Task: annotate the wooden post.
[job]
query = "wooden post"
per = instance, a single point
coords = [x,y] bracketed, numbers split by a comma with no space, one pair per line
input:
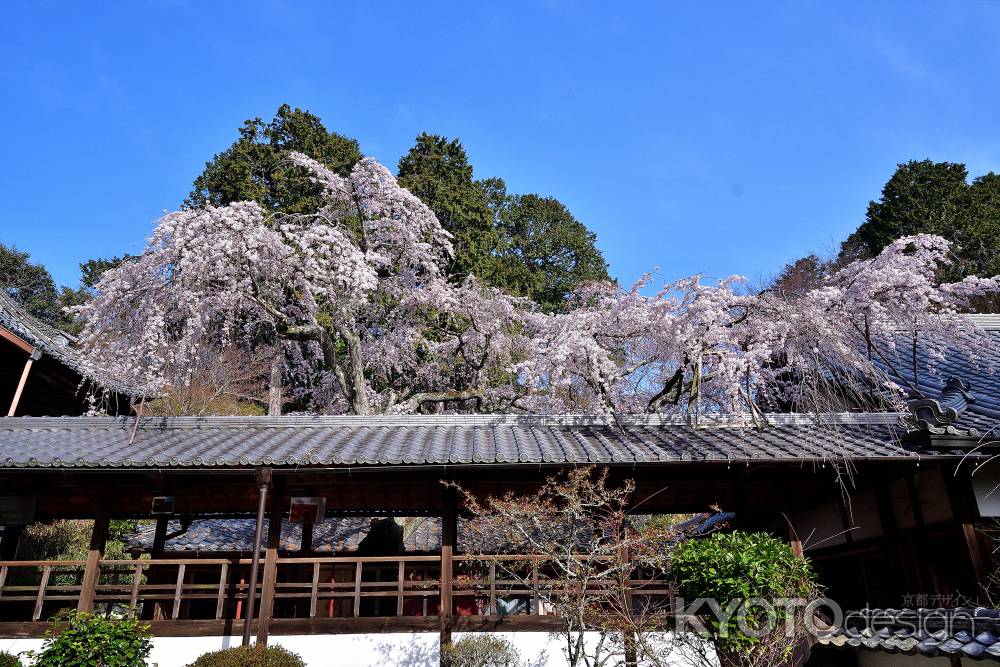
[156,575]
[35,355]
[40,599]
[220,601]
[270,564]
[449,531]
[159,538]
[625,558]
[400,579]
[314,591]
[890,549]
[92,571]
[307,538]
[133,599]
[264,483]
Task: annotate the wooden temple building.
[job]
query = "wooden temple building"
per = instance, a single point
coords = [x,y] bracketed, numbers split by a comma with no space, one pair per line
[890,507]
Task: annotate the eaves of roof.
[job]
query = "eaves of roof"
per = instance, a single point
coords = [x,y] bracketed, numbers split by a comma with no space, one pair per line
[217,443]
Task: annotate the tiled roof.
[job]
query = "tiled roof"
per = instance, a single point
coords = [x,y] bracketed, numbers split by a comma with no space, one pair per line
[983,374]
[56,344]
[960,633]
[103,442]
[335,535]
[344,534]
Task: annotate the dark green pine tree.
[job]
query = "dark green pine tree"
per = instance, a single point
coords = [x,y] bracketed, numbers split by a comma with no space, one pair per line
[545,252]
[527,245]
[925,197]
[437,170]
[256,167]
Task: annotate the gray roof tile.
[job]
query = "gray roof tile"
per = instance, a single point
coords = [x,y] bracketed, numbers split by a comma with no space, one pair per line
[970,632]
[68,442]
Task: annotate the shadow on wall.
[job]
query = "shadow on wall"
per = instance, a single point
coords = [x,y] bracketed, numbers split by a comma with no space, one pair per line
[420,652]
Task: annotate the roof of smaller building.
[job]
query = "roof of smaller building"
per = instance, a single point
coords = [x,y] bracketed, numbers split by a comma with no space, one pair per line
[344,534]
[961,632]
[335,535]
[234,442]
[56,344]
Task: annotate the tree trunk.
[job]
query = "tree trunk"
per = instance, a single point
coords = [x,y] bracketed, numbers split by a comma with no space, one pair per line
[356,371]
[274,390]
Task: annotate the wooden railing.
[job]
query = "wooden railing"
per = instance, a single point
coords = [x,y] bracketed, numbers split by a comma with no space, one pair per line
[305,588]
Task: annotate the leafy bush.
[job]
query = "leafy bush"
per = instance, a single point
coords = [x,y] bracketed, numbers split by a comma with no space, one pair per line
[250,656]
[79,638]
[480,651]
[741,566]
[8,660]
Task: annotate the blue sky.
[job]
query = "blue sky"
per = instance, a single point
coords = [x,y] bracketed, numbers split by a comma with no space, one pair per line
[718,138]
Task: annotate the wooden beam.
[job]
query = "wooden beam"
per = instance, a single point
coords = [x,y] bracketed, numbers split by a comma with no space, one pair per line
[449,532]
[16,340]
[92,570]
[271,562]
[319,626]
[35,355]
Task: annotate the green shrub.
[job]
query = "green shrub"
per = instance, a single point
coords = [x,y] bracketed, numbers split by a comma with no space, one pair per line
[740,566]
[8,660]
[480,651]
[79,638]
[250,656]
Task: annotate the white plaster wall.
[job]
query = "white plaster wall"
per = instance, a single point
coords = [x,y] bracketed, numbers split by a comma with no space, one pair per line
[370,650]
[16,646]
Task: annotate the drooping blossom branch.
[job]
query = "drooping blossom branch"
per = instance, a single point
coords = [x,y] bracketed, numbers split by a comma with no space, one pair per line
[353,301]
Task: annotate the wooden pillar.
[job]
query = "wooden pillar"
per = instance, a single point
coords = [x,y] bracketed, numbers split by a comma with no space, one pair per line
[35,355]
[155,574]
[449,533]
[92,571]
[270,563]
[625,581]
[159,537]
[307,538]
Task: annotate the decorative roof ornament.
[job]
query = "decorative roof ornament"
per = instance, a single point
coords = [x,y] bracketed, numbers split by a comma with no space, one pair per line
[939,416]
